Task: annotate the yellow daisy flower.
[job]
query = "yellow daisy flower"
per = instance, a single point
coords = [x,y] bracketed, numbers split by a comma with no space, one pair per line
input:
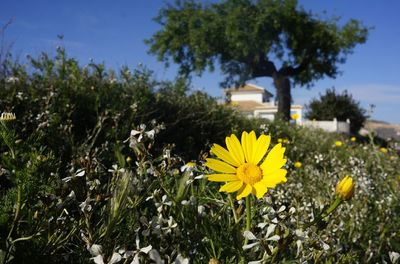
[242,167]
[353,139]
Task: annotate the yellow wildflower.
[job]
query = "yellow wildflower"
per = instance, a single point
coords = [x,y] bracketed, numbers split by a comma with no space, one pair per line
[353,139]
[295,116]
[338,143]
[383,150]
[298,164]
[345,188]
[243,167]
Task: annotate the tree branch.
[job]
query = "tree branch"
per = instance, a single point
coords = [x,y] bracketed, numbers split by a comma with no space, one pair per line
[293,71]
[263,68]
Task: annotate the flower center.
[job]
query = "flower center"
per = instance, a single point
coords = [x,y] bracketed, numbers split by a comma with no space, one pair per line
[249,173]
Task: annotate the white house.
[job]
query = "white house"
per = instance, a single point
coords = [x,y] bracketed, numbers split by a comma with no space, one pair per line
[255,101]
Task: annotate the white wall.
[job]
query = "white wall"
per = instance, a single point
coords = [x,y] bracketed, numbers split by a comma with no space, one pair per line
[258,97]
[330,126]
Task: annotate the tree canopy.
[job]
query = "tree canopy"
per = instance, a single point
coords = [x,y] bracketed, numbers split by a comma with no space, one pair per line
[254,38]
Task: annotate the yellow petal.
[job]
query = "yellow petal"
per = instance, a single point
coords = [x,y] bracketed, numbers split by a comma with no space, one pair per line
[271,180]
[222,177]
[244,192]
[273,166]
[260,148]
[231,186]
[245,145]
[220,166]
[223,154]
[274,159]
[248,144]
[235,149]
[260,189]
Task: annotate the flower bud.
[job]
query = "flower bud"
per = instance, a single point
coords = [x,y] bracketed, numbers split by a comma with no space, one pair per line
[7,116]
[36,215]
[345,188]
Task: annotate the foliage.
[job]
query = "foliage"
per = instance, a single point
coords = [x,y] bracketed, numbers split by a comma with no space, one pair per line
[341,106]
[88,175]
[250,39]
[72,107]
[5,48]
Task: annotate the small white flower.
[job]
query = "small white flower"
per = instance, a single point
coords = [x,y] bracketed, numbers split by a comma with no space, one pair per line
[181,260]
[394,256]
[167,154]
[12,80]
[325,246]
[155,256]
[201,210]
[270,229]
[249,235]
[150,134]
[115,258]
[95,250]
[85,206]
[78,173]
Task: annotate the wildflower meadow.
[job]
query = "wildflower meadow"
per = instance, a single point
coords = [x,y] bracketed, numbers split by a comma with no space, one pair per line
[98,166]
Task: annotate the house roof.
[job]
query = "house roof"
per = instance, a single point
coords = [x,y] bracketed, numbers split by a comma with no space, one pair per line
[250,106]
[246,106]
[248,88]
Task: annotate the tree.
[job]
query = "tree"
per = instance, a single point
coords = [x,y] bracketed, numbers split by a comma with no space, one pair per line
[341,106]
[248,39]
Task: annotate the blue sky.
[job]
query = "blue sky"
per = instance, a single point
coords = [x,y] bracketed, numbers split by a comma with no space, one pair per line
[113,32]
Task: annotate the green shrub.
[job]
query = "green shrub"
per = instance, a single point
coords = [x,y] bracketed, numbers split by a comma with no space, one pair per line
[341,106]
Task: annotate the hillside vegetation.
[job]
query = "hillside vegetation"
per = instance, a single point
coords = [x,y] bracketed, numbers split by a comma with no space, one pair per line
[107,167]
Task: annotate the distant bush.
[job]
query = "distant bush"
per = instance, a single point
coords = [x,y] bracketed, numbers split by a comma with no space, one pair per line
[334,105]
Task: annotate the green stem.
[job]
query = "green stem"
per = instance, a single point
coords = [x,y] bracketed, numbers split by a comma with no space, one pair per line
[248,215]
[14,223]
[325,213]
[235,217]
[333,207]
[17,210]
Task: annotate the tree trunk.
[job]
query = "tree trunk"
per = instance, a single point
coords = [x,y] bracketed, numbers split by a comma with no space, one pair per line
[282,85]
